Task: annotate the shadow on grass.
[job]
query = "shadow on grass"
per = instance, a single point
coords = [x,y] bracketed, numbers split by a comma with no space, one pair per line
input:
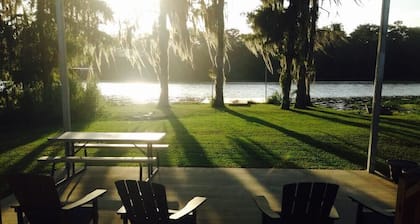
[409,124]
[29,158]
[192,149]
[16,136]
[405,129]
[360,116]
[408,136]
[345,153]
[256,155]
[411,127]
[334,117]
[389,127]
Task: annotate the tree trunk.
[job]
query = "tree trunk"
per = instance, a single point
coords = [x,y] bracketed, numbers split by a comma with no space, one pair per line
[301,87]
[308,91]
[220,76]
[163,57]
[286,79]
[302,55]
[311,63]
[286,83]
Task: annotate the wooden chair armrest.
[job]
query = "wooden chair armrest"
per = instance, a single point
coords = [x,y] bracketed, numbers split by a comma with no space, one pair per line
[334,214]
[375,209]
[172,211]
[191,206]
[121,210]
[263,205]
[16,207]
[86,199]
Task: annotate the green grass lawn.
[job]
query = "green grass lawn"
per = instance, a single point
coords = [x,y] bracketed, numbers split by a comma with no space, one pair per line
[258,136]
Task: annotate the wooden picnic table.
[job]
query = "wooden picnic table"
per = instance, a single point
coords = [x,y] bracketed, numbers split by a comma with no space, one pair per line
[82,140]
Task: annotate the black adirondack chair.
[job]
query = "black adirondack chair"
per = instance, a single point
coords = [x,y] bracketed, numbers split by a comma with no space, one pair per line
[407,206]
[146,203]
[308,203]
[39,202]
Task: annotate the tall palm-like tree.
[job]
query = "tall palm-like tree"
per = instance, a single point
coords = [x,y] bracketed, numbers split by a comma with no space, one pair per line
[288,34]
[275,37]
[302,55]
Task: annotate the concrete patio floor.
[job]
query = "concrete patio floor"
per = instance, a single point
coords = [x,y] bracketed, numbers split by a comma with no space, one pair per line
[229,191]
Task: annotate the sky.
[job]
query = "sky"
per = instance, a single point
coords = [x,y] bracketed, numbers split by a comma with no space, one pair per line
[369,11]
[348,13]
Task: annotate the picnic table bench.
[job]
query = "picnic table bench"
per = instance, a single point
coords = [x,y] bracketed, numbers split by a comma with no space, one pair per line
[97,160]
[142,147]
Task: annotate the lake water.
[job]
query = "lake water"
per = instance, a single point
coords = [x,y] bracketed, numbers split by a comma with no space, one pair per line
[255,91]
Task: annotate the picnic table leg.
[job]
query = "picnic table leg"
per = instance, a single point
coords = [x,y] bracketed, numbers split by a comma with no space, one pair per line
[157,158]
[85,152]
[52,169]
[69,151]
[141,172]
[150,165]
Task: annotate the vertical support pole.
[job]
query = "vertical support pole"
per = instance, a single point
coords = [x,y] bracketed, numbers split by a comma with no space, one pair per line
[379,74]
[62,60]
[65,90]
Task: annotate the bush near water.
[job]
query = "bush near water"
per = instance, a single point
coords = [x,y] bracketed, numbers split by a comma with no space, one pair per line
[40,104]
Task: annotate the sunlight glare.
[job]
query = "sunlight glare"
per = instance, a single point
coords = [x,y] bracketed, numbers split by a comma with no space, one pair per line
[142,14]
[135,92]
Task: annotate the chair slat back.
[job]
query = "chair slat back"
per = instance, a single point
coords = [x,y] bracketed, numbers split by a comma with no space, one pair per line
[37,197]
[144,202]
[308,202]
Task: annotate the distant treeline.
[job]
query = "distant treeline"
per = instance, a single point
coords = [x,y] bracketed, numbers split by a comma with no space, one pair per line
[344,58]
[354,57]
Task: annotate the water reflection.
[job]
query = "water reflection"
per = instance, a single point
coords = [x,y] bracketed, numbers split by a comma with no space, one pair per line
[138,92]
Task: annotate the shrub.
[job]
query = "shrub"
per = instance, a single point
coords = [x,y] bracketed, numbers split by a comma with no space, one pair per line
[37,103]
[391,104]
[10,93]
[85,98]
[275,98]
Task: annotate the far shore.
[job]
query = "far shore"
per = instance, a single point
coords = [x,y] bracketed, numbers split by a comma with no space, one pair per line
[339,103]
[360,103]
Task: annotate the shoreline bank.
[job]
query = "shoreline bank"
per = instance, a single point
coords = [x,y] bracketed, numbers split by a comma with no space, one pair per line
[361,103]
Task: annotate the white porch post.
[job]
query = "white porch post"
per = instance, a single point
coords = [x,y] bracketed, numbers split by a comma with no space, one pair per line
[379,74]
[62,60]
